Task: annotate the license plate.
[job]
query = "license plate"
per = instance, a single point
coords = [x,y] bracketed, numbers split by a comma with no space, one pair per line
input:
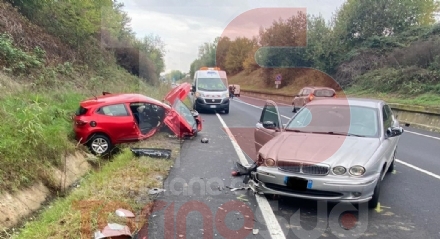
[298,184]
[213,106]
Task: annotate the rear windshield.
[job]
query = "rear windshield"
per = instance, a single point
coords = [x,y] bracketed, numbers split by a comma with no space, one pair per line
[81,111]
[324,93]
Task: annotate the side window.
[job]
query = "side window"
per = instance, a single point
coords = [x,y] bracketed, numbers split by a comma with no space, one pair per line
[270,114]
[300,92]
[114,110]
[386,118]
[306,92]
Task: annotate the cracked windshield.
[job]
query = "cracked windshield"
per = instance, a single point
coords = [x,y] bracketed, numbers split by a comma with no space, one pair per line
[219,119]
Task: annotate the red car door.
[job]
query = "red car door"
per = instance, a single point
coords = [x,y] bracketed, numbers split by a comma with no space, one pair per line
[118,122]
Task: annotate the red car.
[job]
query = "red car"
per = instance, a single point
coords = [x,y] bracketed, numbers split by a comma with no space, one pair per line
[110,119]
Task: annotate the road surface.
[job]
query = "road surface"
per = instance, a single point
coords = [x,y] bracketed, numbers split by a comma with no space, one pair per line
[199,180]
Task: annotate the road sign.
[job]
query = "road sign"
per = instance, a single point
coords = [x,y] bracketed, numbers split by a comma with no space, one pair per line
[277,82]
[278,77]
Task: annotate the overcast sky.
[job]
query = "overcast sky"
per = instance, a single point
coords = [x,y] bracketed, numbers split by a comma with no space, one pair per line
[185,25]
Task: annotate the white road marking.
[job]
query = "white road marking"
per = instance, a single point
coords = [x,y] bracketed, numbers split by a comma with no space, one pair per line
[429,136]
[271,221]
[418,169]
[261,108]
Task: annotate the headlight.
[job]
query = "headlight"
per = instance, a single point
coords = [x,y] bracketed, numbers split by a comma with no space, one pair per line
[225,95]
[339,170]
[197,94]
[357,170]
[269,162]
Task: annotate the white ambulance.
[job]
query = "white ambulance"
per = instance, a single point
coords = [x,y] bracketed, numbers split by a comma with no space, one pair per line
[210,90]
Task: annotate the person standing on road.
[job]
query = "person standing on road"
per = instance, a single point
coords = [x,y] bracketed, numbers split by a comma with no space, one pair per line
[231,91]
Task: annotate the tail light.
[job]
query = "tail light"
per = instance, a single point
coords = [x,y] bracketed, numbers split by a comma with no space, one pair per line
[311,96]
[80,122]
[334,96]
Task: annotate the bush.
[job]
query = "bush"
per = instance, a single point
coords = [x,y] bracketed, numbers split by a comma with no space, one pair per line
[409,80]
[17,60]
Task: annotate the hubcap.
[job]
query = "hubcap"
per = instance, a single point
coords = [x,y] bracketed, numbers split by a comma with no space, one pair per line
[99,145]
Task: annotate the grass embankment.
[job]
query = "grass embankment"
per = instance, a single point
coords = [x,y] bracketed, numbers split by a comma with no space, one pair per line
[123,183]
[253,81]
[36,126]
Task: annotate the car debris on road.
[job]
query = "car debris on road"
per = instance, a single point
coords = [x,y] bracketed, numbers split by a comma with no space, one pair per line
[152,152]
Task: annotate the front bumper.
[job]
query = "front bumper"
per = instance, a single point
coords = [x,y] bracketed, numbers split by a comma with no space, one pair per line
[208,104]
[331,188]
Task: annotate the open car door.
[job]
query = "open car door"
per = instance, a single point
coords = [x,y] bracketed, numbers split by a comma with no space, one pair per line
[268,126]
[180,119]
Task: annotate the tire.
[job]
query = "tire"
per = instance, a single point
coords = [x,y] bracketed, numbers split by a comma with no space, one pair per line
[227,111]
[100,144]
[391,168]
[375,200]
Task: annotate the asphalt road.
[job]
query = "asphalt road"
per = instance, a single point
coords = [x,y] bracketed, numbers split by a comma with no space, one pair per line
[408,204]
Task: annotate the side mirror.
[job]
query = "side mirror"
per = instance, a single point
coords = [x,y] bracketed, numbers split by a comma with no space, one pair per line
[193,88]
[269,125]
[394,131]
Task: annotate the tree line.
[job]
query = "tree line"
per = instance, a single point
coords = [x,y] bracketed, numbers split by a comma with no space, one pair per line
[98,31]
[303,41]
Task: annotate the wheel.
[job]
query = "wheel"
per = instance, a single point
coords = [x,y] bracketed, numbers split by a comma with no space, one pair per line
[227,111]
[375,200]
[100,144]
[391,168]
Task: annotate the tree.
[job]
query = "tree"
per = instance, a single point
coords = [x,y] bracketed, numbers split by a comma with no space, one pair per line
[237,53]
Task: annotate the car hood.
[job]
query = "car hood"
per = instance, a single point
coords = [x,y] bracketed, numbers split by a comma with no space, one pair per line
[178,120]
[320,148]
[179,92]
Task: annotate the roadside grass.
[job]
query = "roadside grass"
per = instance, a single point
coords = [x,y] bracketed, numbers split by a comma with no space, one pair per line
[36,128]
[254,82]
[427,99]
[124,181]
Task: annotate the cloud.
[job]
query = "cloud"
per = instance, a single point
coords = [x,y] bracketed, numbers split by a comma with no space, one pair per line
[185,25]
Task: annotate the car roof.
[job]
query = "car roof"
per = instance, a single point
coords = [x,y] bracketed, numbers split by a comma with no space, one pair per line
[352,101]
[318,88]
[116,99]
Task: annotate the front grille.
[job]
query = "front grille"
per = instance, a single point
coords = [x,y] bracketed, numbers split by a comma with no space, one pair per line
[213,101]
[304,168]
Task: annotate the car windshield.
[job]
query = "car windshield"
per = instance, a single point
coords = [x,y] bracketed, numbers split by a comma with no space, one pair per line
[184,111]
[343,120]
[211,84]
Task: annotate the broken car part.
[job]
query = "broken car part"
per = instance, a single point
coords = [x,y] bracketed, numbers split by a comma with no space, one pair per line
[152,152]
[204,140]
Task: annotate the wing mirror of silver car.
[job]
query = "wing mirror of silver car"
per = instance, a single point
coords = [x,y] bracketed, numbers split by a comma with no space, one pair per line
[394,131]
[269,125]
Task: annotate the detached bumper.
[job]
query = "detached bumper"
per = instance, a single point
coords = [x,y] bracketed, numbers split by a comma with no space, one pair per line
[330,187]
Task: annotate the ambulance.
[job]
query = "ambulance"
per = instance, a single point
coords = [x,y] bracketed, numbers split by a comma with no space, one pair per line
[210,90]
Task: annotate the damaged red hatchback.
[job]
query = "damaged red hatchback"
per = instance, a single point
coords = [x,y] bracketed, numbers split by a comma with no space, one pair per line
[104,121]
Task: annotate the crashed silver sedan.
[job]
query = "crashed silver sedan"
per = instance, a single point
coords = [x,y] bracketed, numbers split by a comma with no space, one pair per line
[333,149]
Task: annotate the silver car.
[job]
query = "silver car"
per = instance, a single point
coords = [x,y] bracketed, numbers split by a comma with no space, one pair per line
[333,149]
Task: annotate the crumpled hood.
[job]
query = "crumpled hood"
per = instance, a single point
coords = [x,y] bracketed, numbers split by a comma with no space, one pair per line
[320,148]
